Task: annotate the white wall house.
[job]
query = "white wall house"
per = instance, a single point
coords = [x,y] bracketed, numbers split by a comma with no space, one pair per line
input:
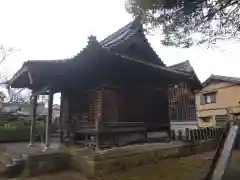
[24,109]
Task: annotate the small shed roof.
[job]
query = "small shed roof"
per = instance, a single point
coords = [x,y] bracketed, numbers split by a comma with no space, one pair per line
[186,67]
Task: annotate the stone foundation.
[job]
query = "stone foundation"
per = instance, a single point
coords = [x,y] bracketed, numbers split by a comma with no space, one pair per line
[43,163]
[33,165]
[97,163]
[103,162]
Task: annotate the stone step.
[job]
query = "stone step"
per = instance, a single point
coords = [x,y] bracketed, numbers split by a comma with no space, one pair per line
[17,166]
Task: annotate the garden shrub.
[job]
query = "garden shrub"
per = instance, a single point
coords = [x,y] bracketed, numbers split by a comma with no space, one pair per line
[17,131]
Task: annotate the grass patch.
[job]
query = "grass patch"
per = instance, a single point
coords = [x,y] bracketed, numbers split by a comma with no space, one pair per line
[169,169]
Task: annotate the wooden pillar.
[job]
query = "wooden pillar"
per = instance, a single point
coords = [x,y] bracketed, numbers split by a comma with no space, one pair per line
[229,120]
[49,119]
[33,120]
[187,134]
[61,119]
[173,135]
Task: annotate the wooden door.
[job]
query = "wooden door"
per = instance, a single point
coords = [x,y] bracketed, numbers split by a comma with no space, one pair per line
[159,110]
[111,105]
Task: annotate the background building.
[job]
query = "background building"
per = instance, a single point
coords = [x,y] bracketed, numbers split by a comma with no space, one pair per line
[219,94]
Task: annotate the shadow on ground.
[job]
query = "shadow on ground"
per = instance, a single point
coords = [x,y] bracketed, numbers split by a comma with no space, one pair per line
[232,174]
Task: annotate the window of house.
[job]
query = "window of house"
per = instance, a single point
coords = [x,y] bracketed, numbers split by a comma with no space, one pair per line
[206,119]
[208,98]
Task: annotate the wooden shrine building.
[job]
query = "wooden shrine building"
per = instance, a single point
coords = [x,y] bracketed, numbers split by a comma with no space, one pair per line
[112,93]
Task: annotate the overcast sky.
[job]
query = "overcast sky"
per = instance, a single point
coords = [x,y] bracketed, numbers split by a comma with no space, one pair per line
[56,29]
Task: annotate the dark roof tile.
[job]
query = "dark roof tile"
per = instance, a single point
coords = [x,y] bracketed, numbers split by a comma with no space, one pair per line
[122,34]
[183,66]
[132,34]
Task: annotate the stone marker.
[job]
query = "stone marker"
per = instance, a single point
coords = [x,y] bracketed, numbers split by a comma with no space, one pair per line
[223,154]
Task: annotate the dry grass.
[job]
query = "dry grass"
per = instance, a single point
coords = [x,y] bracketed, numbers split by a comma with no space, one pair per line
[170,169]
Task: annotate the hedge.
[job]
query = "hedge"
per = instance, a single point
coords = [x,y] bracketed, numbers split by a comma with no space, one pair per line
[18,134]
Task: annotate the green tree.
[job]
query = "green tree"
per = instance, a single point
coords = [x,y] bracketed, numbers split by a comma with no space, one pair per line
[186,22]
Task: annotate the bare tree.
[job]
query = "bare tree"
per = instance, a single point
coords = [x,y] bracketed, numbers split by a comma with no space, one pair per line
[5,52]
[13,95]
[19,96]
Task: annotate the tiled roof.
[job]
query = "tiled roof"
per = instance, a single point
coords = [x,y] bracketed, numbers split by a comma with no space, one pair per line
[122,34]
[166,69]
[183,66]
[129,42]
[222,78]
[112,41]
[132,33]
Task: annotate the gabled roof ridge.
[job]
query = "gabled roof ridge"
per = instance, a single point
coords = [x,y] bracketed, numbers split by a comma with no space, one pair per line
[150,46]
[48,61]
[92,43]
[186,61]
[133,25]
[115,41]
[221,76]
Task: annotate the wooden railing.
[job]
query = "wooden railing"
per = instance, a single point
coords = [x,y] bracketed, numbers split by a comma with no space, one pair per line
[92,132]
[84,126]
[122,126]
[81,126]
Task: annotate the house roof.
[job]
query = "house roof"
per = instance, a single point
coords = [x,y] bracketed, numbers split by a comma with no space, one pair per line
[23,108]
[230,79]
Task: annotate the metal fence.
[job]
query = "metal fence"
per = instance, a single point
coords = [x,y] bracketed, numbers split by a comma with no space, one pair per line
[195,135]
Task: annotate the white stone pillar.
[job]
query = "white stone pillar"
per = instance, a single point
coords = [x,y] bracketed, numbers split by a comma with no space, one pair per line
[33,120]
[49,120]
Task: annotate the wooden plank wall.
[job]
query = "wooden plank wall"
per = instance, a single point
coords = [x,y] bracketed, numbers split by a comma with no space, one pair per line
[123,105]
[65,110]
[160,110]
[132,104]
[133,110]
[95,105]
[111,104]
[182,103]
